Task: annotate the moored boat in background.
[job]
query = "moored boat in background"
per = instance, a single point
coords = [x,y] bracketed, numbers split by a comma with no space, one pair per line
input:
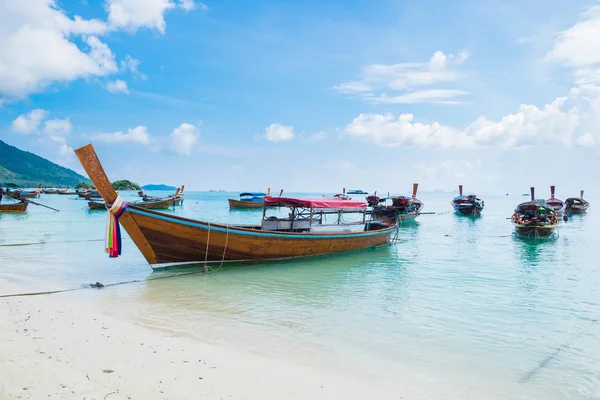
[254,200]
[467,205]
[341,196]
[576,205]
[158,204]
[97,205]
[553,203]
[179,196]
[357,191]
[167,239]
[23,194]
[13,207]
[534,218]
[403,208]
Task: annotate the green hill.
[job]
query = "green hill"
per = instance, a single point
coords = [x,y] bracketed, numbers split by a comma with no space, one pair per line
[26,169]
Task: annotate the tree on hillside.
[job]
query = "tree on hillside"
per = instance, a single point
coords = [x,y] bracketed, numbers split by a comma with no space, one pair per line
[124,184]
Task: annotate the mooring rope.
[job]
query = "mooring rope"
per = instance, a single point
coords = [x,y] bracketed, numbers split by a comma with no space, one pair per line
[533,372]
[44,242]
[206,251]
[99,285]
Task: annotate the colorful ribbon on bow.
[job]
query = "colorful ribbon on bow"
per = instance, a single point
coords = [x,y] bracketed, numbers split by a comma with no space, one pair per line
[113,229]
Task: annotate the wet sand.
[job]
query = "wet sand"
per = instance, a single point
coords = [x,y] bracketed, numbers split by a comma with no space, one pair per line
[51,349]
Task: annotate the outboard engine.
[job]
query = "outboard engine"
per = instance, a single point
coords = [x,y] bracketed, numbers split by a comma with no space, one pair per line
[372,201]
[400,201]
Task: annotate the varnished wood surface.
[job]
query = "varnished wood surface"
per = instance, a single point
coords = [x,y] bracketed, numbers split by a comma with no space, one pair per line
[90,162]
[245,204]
[13,207]
[177,242]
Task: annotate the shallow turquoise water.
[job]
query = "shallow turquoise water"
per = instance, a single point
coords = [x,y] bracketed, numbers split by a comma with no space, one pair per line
[460,309]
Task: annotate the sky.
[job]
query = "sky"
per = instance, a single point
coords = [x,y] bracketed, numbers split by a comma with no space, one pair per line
[309,96]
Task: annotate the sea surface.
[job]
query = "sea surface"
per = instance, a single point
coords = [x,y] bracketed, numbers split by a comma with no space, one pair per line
[459,308]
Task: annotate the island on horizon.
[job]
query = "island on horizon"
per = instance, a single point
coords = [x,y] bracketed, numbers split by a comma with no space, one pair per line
[158,187]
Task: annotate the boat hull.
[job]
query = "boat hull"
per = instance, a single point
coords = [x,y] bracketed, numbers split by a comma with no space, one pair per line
[534,230]
[163,204]
[576,210]
[245,204]
[96,205]
[172,239]
[407,217]
[29,195]
[468,210]
[21,195]
[14,207]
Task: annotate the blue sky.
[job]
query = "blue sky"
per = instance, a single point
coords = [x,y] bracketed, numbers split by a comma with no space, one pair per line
[309,96]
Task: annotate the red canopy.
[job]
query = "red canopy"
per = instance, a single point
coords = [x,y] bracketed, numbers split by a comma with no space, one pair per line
[313,203]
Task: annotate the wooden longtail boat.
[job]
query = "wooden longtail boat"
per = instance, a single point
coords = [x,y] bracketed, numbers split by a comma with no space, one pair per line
[534,218]
[402,207]
[24,194]
[467,205]
[179,196]
[163,204]
[576,205]
[341,196]
[97,205]
[159,204]
[93,195]
[254,200]
[553,203]
[164,238]
[14,207]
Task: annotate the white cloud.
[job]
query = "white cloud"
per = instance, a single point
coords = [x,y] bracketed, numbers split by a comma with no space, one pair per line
[38,47]
[138,135]
[135,14]
[577,47]
[184,138]
[388,131]
[279,133]
[42,44]
[102,55]
[29,123]
[57,130]
[57,127]
[117,86]
[405,77]
[586,140]
[188,5]
[440,96]
[317,137]
[569,120]
[130,64]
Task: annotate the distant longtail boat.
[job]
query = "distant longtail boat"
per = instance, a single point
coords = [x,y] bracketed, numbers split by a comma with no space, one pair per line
[467,205]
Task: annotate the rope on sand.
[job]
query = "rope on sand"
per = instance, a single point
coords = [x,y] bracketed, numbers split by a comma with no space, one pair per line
[44,242]
[527,377]
[99,285]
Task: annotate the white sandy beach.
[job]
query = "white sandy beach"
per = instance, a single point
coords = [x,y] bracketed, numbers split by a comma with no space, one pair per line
[53,350]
